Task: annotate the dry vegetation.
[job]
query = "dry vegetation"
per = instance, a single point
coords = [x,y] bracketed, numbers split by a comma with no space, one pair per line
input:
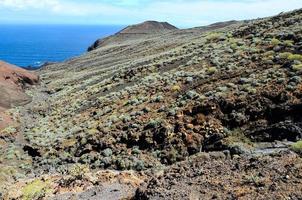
[162,104]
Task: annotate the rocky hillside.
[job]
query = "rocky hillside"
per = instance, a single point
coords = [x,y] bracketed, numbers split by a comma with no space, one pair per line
[203,113]
[13,81]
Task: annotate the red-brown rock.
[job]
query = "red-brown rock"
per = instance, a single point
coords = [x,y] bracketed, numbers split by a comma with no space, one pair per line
[13,81]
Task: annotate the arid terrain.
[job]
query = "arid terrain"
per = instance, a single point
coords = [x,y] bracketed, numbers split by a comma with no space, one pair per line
[13,82]
[157,112]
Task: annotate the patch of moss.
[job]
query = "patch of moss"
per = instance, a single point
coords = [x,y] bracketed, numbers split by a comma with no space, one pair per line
[35,190]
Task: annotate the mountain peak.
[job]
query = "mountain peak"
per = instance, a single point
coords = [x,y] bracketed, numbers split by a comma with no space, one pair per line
[148,27]
[134,31]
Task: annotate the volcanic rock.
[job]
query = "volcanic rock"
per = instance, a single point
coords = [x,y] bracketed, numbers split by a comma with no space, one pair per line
[13,81]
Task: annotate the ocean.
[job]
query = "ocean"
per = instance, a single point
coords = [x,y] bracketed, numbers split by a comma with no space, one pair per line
[33,45]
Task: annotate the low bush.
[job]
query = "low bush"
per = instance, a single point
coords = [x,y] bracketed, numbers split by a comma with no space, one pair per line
[297,147]
[212,37]
[293,57]
[212,70]
[35,190]
[275,42]
[297,67]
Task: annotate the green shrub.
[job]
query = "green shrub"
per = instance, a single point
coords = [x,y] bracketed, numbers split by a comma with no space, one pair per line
[135,150]
[297,67]
[234,46]
[175,88]
[172,156]
[35,190]
[107,152]
[275,42]
[212,70]
[293,57]
[78,171]
[297,147]
[254,180]
[154,123]
[290,56]
[285,55]
[288,43]
[213,37]
[140,165]
[269,53]
[121,164]
[233,43]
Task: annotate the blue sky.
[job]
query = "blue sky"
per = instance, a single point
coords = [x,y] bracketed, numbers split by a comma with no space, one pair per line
[182,13]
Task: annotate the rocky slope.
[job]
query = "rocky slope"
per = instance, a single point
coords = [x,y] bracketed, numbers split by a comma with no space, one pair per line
[215,176]
[13,81]
[191,113]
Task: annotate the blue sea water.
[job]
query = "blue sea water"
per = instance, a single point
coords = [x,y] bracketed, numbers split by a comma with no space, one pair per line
[32,45]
